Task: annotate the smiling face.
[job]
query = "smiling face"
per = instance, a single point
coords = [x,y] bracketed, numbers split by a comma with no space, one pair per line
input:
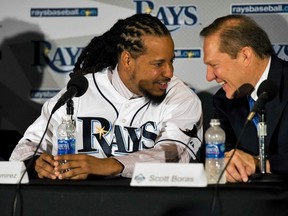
[148,74]
[229,72]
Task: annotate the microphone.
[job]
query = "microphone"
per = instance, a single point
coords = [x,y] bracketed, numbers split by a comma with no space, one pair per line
[76,87]
[266,92]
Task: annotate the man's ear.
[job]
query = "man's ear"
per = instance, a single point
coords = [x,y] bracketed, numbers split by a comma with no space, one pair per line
[126,58]
[247,54]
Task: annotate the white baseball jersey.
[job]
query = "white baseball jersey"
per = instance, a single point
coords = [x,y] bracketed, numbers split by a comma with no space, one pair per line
[131,130]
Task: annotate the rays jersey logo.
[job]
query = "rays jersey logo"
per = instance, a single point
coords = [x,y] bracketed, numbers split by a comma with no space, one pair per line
[174,17]
[100,135]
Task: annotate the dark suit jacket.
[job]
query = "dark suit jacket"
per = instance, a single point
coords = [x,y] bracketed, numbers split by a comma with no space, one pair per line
[233,113]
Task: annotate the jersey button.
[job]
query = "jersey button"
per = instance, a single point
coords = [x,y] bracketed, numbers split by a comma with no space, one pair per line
[123,120]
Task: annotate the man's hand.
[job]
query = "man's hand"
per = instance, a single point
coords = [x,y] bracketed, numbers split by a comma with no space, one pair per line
[44,166]
[241,166]
[80,166]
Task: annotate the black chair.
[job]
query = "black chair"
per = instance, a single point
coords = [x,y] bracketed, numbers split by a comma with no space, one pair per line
[8,139]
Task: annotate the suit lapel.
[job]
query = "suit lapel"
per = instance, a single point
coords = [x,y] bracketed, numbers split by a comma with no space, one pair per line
[275,107]
[239,116]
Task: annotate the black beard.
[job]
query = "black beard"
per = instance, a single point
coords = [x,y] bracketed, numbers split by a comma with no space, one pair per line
[155,100]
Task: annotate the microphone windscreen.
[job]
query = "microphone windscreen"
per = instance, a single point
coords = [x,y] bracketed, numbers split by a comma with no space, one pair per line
[243,90]
[269,88]
[79,82]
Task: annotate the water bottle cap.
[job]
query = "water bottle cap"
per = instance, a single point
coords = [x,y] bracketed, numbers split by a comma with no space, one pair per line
[214,122]
[66,117]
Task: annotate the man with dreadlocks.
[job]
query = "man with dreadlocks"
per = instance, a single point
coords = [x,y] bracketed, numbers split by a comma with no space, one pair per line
[135,109]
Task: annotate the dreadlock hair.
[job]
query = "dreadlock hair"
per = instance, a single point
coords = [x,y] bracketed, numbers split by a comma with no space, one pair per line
[126,34]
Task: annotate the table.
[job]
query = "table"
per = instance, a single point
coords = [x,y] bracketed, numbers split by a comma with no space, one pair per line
[115,196]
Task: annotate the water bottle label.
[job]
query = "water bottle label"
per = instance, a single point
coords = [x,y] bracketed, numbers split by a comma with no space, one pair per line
[215,150]
[72,146]
[66,146]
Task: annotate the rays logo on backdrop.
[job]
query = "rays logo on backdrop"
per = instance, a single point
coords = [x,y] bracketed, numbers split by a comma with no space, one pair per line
[187,53]
[63,12]
[281,50]
[60,60]
[174,17]
[259,8]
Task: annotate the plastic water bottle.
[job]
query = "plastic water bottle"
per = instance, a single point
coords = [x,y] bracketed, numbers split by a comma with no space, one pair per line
[215,153]
[66,136]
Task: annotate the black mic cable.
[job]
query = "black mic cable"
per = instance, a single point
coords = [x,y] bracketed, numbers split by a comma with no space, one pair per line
[266,92]
[76,87]
[31,161]
[215,194]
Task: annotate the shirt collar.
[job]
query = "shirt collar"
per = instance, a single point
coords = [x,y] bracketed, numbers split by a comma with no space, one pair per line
[119,85]
[262,78]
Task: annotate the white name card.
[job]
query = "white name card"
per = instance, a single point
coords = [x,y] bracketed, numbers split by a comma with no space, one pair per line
[169,174]
[11,172]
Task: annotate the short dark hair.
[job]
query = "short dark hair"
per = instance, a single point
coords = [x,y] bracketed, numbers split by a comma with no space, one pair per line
[104,50]
[238,31]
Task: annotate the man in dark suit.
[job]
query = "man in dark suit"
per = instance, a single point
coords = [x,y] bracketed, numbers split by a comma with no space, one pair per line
[239,56]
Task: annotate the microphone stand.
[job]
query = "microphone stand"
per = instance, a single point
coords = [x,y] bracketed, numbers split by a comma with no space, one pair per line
[262,133]
[263,176]
[70,107]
